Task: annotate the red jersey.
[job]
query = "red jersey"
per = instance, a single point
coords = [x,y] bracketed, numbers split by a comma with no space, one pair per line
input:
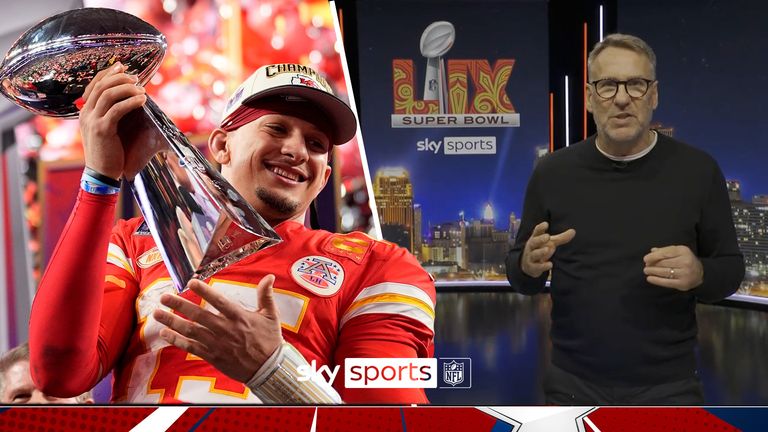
[339,296]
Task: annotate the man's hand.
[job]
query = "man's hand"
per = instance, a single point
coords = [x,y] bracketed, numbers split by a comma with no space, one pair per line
[673,267]
[540,247]
[110,97]
[235,341]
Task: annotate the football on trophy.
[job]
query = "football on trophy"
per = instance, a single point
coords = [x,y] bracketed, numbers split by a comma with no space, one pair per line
[48,67]
[437,39]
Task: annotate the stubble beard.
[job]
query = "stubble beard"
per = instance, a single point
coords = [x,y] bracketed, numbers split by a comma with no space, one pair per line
[280,204]
[620,139]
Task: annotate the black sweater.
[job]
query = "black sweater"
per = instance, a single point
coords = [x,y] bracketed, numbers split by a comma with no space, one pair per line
[608,324]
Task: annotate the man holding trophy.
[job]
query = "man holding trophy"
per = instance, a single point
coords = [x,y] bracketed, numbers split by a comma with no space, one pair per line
[240,336]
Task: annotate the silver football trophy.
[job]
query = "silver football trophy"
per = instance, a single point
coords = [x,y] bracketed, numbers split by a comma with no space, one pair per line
[199,221]
[436,40]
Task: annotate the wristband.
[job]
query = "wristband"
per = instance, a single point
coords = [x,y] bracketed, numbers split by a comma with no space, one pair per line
[101,178]
[91,180]
[97,188]
[277,381]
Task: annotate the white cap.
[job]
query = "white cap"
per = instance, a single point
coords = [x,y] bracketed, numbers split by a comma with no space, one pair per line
[293,80]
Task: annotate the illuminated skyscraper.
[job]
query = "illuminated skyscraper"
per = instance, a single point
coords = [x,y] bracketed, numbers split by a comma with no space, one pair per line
[734,190]
[393,192]
[417,230]
[488,213]
[751,223]
[486,247]
[665,130]
[514,225]
[448,244]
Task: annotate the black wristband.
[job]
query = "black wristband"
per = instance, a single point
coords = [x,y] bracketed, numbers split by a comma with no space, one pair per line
[101,177]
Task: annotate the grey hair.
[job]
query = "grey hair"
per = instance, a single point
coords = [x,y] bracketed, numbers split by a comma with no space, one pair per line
[10,358]
[630,42]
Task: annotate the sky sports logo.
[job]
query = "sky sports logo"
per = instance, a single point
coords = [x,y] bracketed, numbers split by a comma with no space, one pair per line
[394,373]
[459,145]
[390,373]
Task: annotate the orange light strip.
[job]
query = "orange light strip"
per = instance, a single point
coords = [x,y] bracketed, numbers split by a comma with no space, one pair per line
[232,29]
[551,122]
[341,22]
[584,88]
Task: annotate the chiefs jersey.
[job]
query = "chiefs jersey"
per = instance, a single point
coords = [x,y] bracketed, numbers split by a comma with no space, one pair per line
[339,296]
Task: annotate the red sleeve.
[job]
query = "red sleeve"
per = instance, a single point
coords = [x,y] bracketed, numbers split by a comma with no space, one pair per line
[376,336]
[392,316]
[79,322]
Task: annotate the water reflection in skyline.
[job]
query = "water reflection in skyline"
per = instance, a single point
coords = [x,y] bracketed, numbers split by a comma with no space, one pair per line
[507,337]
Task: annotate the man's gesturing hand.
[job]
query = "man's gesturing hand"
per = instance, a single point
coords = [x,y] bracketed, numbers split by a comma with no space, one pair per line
[540,247]
[673,267]
[235,340]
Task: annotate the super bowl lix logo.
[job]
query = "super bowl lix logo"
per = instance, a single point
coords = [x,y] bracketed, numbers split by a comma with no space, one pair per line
[320,275]
[448,100]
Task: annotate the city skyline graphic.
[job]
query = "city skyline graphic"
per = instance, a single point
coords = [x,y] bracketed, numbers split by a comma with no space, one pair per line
[466,248]
[447,190]
[711,89]
[474,248]
[700,54]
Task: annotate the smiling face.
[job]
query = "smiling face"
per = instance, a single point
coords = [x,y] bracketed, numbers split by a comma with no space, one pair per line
[622,122]
[279,164]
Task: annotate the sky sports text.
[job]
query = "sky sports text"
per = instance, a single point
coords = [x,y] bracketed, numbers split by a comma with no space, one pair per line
[376,373]
[459,145]
[393,373]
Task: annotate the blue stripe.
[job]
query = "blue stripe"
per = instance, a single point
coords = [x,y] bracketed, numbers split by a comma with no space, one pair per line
[402,417]
[202,419]
[747,419]
[501,426]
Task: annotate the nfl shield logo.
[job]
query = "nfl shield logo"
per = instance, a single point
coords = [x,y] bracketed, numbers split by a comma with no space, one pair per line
[453,373]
